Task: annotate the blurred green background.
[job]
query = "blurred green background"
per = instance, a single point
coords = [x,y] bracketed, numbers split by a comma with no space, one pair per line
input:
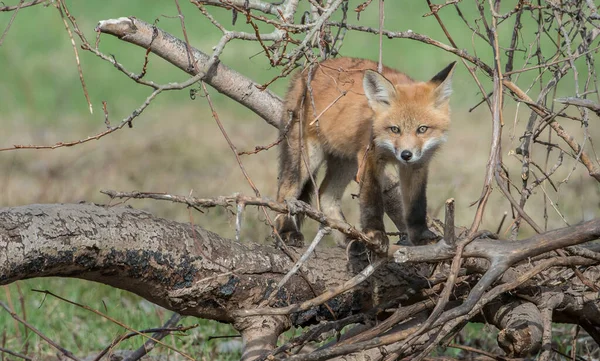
[176,147]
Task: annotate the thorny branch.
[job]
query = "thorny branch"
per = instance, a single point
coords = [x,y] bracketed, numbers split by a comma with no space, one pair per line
[291,206]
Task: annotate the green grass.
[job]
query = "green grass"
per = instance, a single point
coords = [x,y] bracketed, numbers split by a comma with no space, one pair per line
[176,147]
[84,332]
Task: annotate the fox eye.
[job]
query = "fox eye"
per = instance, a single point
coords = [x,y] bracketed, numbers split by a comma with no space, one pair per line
[395,129]
[422,129]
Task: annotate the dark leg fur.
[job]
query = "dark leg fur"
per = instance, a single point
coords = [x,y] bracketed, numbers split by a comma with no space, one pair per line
[296,238]
[372,205]
[416,219]
[414,187]
[288,226]
[392,200]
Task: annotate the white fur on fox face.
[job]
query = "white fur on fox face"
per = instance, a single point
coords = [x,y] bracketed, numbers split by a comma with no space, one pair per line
[432,144]
[397,153]
[387,145]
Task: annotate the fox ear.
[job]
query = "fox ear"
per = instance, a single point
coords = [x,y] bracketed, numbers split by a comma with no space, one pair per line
[443,81]
[378,89]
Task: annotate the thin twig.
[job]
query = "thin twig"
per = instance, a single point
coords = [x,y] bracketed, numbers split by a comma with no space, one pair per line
[449,223]
[12,19]
[284,208]
[61,349]
[62,7]
[16,354]
[159,334]
[323,231]
[87,308]
[381,21]
[21,5]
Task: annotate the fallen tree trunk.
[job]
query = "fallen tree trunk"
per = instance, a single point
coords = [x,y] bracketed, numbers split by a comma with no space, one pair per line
[195,272]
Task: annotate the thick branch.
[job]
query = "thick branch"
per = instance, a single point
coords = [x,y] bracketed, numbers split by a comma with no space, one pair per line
[186,269]
[175,51]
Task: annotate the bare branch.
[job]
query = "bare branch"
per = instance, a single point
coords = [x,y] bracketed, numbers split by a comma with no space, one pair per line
[21,5]
[586,103]
[291,206]
[225,80]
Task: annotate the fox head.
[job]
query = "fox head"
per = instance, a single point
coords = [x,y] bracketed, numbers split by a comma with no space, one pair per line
[410,119]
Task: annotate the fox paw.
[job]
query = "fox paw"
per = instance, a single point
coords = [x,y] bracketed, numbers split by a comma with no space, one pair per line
[423,237]
[293,238]
[403,240]
[378,238]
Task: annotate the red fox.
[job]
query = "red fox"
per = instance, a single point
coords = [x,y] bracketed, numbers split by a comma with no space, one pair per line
[357,121]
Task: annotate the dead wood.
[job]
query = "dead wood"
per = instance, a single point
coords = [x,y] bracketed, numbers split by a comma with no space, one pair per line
[195,272]
[226,80]
[186,269]
[520,325]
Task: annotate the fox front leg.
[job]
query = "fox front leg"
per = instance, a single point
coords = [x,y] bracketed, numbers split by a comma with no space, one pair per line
[372,206]
[413,183]
[392,199]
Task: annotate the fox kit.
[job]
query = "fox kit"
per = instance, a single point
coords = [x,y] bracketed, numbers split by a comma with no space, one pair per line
[357,121]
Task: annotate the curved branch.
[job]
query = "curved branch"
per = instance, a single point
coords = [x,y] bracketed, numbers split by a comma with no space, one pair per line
[175,51]
[265,7]
[186,269]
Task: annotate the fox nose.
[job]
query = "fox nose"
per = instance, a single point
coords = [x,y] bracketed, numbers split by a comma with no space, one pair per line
[406,155]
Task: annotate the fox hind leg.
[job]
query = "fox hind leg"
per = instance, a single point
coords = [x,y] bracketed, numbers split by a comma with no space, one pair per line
[337,176]
[294,181]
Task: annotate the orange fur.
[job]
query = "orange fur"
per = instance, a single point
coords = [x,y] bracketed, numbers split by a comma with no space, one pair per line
[347,110]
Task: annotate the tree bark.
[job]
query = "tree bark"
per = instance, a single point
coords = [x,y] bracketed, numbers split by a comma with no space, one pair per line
[186,269]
